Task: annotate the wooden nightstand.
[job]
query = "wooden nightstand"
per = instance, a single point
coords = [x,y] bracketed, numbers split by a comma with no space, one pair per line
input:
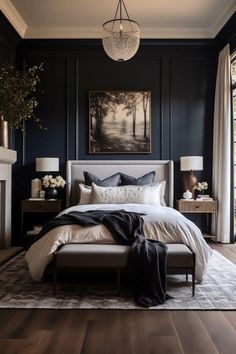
[198,206]
[46,210]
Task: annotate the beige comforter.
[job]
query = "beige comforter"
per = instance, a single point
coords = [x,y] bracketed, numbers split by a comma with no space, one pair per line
[160,223]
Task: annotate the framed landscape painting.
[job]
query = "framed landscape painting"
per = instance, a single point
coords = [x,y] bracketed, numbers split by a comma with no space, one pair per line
[119,122]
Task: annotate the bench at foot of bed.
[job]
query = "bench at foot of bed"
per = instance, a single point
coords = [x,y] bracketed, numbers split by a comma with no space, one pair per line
[180,259]
[90,256]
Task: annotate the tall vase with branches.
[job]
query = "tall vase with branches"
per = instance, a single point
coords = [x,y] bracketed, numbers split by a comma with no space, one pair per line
[18,96]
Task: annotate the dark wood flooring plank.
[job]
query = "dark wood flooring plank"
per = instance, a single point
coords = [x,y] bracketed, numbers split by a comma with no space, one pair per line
[13,327]
[66,336]
[54,342]
[193,335]
[16,346]
[118,332]
[73,329]
[158,323]
[47,320]
[231,317]
[165,345]
[100,338]
[215,322]
[6,314]
[131,333]
[228,251]
[160,332]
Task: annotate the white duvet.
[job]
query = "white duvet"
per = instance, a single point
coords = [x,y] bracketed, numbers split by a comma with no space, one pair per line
[160,223]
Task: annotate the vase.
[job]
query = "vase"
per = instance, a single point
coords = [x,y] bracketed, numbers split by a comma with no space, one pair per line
[51,193]
[3,133]
[195,193]
[187,194]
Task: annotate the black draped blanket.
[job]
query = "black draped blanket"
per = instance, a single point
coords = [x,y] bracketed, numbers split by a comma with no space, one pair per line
[147,258]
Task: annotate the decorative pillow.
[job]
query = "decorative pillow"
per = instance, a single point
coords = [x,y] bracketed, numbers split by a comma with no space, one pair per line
[141,181]
[154,194]
[111,181]
[127,194]
[163,191]
[85,194]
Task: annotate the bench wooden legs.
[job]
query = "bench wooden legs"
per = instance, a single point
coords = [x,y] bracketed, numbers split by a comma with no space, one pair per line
[193,274]
[54,275]
[193,283]
[193,278]
[118,280]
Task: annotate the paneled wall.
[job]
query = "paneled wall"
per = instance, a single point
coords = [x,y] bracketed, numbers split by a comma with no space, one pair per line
[179,74]
[9,40]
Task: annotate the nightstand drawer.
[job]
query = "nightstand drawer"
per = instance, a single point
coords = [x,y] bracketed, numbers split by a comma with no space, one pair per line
[192,206]
[41,206]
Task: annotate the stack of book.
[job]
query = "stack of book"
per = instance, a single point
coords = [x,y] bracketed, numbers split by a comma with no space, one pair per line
[36,230]
[203,197]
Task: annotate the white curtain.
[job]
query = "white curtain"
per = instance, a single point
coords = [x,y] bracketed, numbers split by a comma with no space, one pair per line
[222,147]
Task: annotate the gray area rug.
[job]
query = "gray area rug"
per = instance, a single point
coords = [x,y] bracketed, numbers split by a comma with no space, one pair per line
[19,290]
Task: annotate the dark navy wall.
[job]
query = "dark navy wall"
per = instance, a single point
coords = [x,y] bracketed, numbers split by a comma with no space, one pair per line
[9,40]
[181,78]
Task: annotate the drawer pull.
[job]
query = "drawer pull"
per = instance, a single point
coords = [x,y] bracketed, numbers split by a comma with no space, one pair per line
[197,206]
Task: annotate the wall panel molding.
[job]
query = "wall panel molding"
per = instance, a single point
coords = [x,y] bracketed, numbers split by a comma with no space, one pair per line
[77,111]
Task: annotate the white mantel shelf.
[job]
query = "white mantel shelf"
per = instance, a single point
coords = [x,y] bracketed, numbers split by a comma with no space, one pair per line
[7,156]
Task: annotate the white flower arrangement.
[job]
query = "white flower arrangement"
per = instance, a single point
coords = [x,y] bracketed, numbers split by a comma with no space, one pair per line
[53,182]
[201,186]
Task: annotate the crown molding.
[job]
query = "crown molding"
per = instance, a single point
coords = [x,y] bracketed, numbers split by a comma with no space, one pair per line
[175,33]
[88,33]
[222,18]
[13,17]
[62,33]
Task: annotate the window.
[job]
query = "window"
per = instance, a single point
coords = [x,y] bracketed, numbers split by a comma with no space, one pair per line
[233,72]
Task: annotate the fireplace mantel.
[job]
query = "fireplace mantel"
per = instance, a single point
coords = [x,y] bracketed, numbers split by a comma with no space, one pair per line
[7,159]
[7,156]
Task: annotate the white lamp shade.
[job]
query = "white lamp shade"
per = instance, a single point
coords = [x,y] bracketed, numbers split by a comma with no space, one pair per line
[191,163]
[47,164]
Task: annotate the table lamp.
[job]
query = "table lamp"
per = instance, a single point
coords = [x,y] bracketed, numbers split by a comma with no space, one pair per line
[191,164]
[47,164]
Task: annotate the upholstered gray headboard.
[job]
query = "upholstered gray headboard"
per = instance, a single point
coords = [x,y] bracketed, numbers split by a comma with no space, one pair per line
[75,168]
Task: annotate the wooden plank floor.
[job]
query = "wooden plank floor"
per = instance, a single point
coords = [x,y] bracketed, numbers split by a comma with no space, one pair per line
[119,332]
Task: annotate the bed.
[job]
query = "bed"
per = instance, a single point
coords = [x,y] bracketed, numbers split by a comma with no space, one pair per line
[161,222]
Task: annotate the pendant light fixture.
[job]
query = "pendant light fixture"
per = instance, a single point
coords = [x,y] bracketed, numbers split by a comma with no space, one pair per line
[121,36]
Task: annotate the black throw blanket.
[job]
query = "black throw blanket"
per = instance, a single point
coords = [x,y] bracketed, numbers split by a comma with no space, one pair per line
[147,258]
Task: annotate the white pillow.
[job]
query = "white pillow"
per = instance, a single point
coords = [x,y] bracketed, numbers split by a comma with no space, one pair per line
[163,191]
[155,193]
[85,194]
[148,194]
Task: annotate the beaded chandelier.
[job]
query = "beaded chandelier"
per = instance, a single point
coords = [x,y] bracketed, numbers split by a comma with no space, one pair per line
[121,36]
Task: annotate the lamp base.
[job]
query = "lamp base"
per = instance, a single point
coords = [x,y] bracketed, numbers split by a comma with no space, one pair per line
[190,180]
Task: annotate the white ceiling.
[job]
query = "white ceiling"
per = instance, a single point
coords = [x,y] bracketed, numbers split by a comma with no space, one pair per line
[84,18]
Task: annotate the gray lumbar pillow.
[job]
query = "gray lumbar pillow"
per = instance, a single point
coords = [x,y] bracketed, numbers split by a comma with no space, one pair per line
[141,181]
[111,181]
